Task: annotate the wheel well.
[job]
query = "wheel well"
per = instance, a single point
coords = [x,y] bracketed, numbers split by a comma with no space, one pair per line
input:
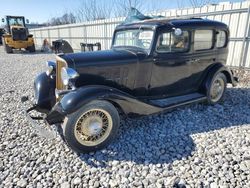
[209,77]
[228,76]
[118,107]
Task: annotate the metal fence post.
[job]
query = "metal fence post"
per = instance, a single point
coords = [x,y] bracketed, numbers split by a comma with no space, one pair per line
[85,33]
[70,36]
[49,34]
[105,36]
[246,37]
[243,53]
[34,36]
[41,35]
[58,33]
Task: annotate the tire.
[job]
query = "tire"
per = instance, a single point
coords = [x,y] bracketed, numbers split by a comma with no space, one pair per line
[31,48]
[88,123]
[217,89]
[7,49]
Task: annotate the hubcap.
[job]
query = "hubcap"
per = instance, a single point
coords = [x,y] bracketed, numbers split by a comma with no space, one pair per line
[93,127]
[217,89]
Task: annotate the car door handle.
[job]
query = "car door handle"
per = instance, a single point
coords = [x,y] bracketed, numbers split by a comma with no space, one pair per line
[155,60]
[193,61]
[196,60]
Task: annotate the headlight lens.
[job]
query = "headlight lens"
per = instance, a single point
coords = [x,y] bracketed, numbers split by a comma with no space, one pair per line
[50,67]
[68,74]
[64,76]
[49,70]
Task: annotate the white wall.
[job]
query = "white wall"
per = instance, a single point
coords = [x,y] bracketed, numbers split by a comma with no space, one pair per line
[235,15]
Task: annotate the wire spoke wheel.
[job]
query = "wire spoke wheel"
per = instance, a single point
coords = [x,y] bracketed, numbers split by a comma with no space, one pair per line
[93,127]
[217,89]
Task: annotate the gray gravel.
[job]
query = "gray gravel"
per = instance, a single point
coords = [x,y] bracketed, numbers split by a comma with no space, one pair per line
[195,146]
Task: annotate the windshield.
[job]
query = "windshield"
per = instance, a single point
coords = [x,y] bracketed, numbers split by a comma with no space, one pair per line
[16,21]
[135,37]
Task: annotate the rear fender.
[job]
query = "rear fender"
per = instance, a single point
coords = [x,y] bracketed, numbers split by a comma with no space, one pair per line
[214,70]
[74,100]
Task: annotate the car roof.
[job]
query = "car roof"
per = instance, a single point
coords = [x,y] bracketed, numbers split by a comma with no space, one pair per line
[176,22]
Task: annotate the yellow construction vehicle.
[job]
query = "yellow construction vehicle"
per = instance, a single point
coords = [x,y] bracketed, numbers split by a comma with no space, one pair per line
[16,35]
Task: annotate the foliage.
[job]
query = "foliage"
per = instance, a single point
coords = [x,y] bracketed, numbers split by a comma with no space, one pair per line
[67,18]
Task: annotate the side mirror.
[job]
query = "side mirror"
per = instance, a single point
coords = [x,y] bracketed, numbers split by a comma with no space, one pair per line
[27,21]
[3,20]
[177,31]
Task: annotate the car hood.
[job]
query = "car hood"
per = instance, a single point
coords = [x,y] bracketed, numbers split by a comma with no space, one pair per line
[102,57]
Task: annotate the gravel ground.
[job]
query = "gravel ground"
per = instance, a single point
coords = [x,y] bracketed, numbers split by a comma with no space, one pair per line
[195,146]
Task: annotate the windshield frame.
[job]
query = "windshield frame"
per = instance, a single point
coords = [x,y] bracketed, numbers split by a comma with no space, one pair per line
[148,50]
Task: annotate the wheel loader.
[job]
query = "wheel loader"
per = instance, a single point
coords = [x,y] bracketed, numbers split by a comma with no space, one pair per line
[16,35]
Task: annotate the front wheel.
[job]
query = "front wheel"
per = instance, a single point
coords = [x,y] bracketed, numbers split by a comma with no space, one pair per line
[216,91]
[92,127]
[7,48]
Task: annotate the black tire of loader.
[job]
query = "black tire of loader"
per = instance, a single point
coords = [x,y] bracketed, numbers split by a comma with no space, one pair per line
[7,49]
[31,48]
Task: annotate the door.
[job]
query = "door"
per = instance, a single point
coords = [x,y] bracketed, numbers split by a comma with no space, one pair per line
[172,65]
[204,53]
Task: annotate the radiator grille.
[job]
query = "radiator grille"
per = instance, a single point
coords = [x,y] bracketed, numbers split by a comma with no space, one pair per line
[19,34]
[60,63]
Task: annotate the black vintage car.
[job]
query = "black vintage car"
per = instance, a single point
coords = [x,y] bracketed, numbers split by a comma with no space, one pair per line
[153,66]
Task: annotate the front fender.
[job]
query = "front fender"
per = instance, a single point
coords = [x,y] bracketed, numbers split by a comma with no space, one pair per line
[44,87]
[129,104]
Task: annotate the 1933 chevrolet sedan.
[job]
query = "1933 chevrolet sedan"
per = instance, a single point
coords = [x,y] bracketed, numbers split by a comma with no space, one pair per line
[152,66]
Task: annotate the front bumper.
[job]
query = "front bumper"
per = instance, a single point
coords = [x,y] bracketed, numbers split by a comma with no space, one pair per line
[51,111]
[46,130]
[42,124]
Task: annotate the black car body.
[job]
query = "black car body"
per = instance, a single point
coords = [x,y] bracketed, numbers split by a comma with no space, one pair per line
[152,66]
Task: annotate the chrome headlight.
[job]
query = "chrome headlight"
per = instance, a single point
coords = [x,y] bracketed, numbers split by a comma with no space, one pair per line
[68,74]
[50,67]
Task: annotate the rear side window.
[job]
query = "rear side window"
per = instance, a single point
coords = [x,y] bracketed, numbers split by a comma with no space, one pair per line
[203,39]
[221,39]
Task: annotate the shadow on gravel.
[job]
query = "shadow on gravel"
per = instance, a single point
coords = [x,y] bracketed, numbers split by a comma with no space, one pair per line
[164,138]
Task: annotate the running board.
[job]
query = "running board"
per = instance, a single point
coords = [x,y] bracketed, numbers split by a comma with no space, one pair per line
[173,102]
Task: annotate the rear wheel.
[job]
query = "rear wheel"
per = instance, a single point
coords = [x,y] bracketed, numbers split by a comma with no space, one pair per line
[7,48]
[92,127]
[216,91]
[31,48]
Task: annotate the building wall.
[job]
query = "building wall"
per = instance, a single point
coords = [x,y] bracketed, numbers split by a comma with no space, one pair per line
[235,15]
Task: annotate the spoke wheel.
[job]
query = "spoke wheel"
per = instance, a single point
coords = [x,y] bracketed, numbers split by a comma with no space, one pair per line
[217,89]
[93,127]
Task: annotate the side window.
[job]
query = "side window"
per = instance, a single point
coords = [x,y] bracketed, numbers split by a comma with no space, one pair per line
[169,42]
[221,39]
[203,39]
